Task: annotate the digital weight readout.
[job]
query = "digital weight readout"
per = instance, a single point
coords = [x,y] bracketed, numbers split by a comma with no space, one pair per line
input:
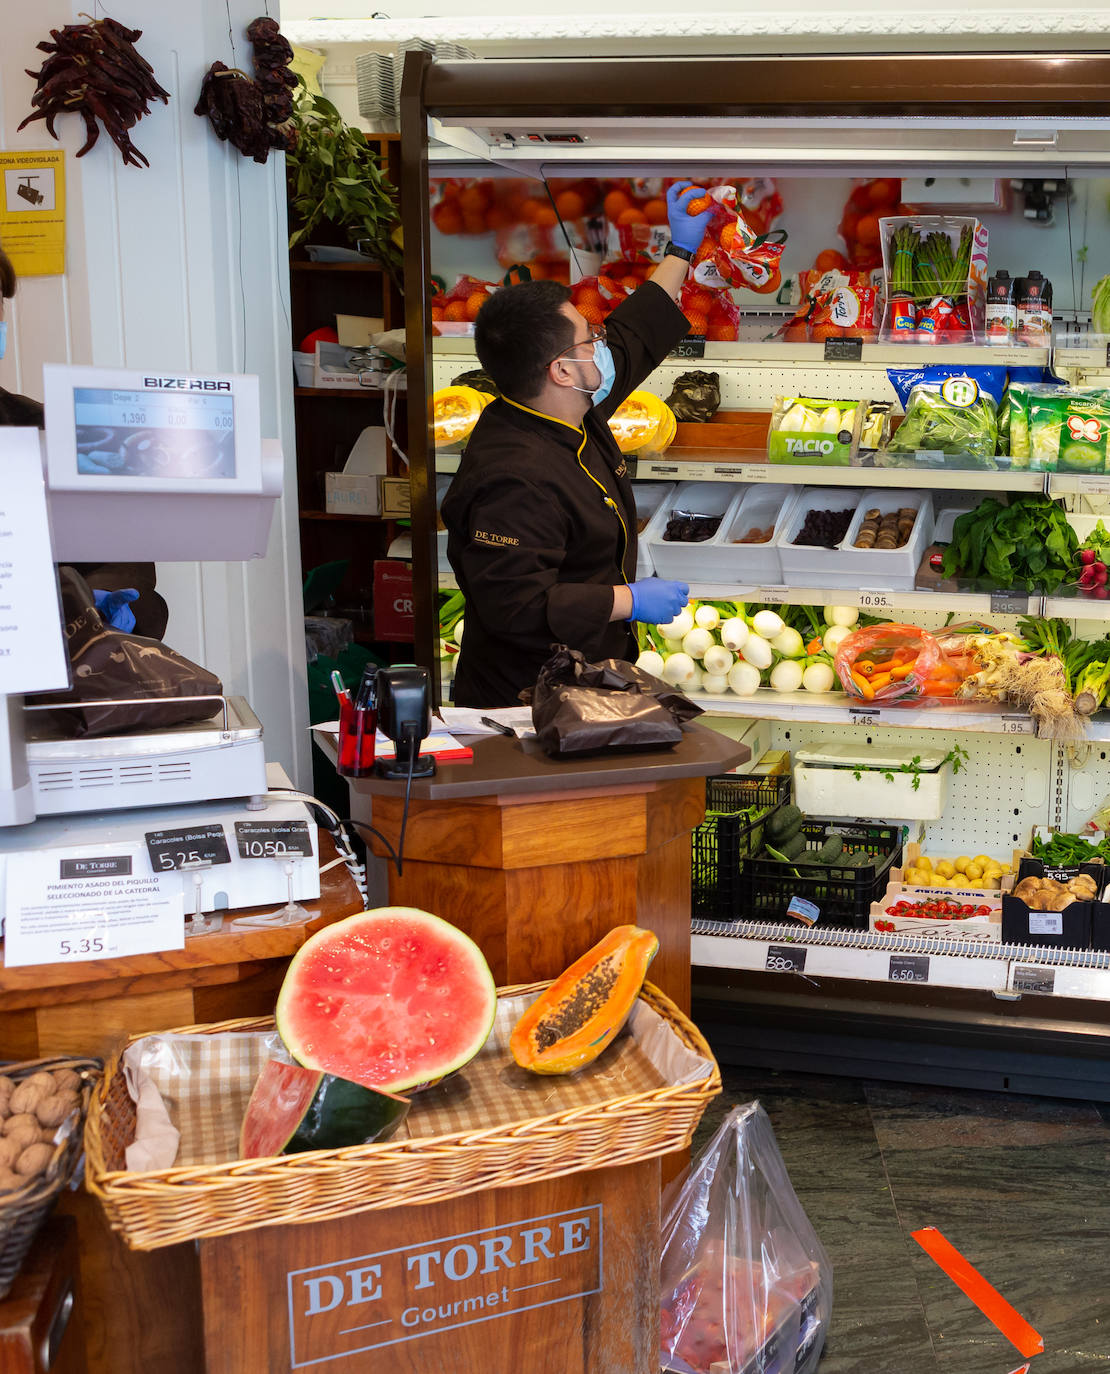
[167,434]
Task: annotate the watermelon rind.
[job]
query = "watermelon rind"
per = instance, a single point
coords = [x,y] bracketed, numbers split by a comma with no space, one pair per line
[293,1109]
[394,998]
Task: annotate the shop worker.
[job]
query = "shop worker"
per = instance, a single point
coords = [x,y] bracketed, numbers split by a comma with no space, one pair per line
[149,610]
[541,519]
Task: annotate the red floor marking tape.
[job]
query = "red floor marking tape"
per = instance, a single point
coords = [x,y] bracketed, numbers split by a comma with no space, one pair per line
[988,1300]
[1023,1370]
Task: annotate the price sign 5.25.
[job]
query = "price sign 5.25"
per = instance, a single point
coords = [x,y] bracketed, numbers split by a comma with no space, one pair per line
[173,849]
[273,839]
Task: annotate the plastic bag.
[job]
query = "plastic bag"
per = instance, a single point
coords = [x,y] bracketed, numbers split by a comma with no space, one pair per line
[583,708]
[1062,428]
[835,303]
[695,396]
[745,1284]
[893,663]
[949,410]
[806,429]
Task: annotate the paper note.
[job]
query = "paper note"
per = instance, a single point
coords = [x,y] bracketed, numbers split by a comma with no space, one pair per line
[33,211]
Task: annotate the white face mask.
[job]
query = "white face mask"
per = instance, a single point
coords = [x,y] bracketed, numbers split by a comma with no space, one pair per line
[3,336]
[603,361]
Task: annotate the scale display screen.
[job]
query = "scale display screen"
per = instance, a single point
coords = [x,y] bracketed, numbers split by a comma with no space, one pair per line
[167,434]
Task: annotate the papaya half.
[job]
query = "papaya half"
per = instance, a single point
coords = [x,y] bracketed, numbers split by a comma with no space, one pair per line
[569,1024]
[643,424]
[455,411]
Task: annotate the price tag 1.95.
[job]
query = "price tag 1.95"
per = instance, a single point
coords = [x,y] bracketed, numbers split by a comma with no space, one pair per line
[908,968]
[1017,725]
[273,839]
[172,849]
[785,959]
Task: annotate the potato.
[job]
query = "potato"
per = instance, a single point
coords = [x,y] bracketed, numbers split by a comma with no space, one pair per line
[27,1095]
[34,1159]
[1060,902]
[1027,889]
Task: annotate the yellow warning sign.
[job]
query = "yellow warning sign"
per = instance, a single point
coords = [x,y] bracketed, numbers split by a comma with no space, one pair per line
[33,211]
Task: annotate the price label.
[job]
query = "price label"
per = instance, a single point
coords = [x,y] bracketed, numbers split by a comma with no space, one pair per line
[1009,603]
[1094,486]
[843,350]
[785,959]
[1017,725]
[272,839]
[773,596]
[874,601]
[732,471]
[862,715]
[755,472]
[661,469]
[908,968]
[173,849]
[1042,980]
[692,346]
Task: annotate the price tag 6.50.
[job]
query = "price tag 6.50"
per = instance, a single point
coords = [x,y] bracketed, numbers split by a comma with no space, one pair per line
[908,968]
[173,849]
[785,959]
[273,839]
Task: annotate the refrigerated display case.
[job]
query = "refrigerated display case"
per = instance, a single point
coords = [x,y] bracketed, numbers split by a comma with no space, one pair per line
[1019,144]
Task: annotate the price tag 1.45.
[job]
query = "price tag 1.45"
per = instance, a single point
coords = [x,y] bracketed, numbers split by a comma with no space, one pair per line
[173,849]
[864,715]
[273,839]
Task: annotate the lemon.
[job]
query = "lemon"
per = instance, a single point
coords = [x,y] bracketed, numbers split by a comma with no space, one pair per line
[946,869]
[960,864]
[983,860]
[910,876]
[994,873]
[974,870]
[925,863]
[1006,868]
[993,883]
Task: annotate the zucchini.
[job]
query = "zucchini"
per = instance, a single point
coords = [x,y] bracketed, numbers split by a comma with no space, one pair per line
[781,823]
[795,828]
[794,848]
[831,850]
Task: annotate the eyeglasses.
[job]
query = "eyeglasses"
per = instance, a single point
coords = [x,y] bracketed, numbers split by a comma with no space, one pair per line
[594,336]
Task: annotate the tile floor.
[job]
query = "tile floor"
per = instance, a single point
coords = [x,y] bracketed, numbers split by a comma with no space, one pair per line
[1020,1185]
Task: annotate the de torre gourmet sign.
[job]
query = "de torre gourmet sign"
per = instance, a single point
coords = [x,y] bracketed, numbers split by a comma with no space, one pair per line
[365,1302]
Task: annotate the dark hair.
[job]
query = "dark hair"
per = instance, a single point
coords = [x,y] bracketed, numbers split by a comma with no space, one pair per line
[7,275]
[519,330]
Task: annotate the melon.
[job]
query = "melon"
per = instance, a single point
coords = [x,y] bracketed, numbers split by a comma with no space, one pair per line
[293,1109]
[393,998]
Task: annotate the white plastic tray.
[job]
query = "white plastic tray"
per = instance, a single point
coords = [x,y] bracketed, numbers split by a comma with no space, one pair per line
[649,497]
[760,505]
[888,569]
[703,562]
[803,565]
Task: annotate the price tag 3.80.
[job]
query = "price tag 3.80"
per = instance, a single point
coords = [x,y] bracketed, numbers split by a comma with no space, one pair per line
[273,839]
[173,849]
[785,959]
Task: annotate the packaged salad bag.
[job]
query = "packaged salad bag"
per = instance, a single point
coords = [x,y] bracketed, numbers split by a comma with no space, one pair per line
[951,417]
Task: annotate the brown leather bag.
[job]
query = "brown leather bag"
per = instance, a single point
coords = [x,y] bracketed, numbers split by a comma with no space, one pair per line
[108,665]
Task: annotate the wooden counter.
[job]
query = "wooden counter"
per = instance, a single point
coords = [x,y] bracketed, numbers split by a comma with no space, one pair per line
[143,1311]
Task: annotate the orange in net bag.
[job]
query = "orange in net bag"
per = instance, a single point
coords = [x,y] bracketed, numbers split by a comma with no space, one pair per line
[895,663]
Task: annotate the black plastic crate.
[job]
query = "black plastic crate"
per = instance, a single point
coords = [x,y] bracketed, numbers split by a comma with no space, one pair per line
[723,842]
[842,893]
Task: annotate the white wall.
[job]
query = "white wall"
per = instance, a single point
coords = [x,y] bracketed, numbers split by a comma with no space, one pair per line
[179,266]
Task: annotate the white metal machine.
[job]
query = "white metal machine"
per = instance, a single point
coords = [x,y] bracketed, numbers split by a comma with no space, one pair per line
[150,466]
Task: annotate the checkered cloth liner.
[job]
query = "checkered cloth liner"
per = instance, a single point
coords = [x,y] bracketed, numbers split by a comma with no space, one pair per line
[206,1080]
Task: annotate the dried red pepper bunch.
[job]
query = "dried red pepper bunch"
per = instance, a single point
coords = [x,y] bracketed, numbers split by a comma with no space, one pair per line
[253,115]
[93,70]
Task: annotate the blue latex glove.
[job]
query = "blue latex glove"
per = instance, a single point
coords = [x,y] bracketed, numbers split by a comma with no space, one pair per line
[687,231]
[656,602]
[115,608]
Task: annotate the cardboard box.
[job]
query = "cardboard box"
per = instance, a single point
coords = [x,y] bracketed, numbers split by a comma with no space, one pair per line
[396,498]
[393,600]
[357,331]
[350,494]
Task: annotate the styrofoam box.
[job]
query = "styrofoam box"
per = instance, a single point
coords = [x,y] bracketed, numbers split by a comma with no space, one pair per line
[824,790]
[803,565]
[760,505]
[947,508]
[704,562]
[979,928]
[649,497]
[888,569]
[443,481]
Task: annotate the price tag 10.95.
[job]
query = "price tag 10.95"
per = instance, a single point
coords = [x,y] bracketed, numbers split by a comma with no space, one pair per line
[908,968]
[785,959]
[273,839]
[875,601]
[172,849]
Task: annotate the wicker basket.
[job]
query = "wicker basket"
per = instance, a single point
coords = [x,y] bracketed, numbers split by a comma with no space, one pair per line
[24,1211]
[166,1206]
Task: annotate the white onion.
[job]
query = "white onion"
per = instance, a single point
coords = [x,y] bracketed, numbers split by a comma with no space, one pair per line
[708,617]
[834,636]
[718,660]
[841,615]
[768,624]
[714,682]
[789,643]
[743,679]
[697,642]
[734,632]
[757,652]
[456,633]
[650,662]
[786,676]
[679,670]
[695,683]
[681,625]
[818,677]
[672,646]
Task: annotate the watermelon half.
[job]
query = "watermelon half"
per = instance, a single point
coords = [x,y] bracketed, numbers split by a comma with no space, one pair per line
[292,1109]
[393,998]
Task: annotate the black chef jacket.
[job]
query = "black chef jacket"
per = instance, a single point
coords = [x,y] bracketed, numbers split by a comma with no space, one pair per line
[541,522]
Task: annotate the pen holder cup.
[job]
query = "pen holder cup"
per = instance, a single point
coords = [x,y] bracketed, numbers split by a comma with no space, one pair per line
[357,728]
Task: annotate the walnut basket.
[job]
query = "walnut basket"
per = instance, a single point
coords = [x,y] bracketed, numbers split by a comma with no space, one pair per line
[24,1211]
[167,1206]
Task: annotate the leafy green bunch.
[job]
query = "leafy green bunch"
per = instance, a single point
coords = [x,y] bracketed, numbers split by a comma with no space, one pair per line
[334,175]
[1027,544]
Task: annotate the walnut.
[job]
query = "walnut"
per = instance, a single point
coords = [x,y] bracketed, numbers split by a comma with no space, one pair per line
[10,1181]
[9,1152]
[34,1159]
[7,1085]
[69,1080]
[52,1111]
[25,1135]
[28,1094]
[17,1120]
